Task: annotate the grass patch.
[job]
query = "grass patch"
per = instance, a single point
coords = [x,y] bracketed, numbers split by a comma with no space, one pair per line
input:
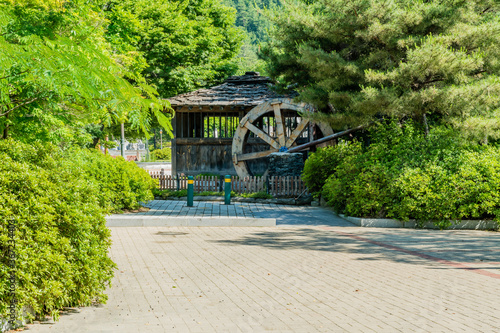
[183,193]
[255,195]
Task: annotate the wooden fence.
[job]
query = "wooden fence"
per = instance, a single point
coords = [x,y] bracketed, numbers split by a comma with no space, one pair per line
[248,184]
[275,185]
[286,186]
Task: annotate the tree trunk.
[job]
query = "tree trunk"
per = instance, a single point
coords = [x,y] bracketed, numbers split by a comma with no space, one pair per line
[426,126]
[6,129]
[96,139]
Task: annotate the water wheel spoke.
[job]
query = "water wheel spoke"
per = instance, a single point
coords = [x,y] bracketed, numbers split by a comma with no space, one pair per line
[255,155]
[279,124]
[263,114]
[261,134]
[297,132]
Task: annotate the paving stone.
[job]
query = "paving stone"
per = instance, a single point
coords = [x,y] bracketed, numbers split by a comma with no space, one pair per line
[314,272]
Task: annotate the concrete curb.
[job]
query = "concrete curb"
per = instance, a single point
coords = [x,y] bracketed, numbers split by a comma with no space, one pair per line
[165,221]
[390,223]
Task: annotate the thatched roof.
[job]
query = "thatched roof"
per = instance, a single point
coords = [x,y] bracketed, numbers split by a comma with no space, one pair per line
[247,90]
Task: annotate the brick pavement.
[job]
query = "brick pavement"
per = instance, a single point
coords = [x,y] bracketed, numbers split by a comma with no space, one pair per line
[297,278]
[284,214]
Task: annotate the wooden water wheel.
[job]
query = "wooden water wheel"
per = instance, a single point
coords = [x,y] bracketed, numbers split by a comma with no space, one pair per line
[277,125]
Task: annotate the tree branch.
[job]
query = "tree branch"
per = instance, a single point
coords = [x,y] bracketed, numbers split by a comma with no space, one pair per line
[330,106]
[419,85]
[480,72]
[484,11]
[6,77]
[18,106]
[379,40]
[432,81]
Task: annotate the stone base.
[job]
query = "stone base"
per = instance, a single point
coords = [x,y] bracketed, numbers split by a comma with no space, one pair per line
[286,164]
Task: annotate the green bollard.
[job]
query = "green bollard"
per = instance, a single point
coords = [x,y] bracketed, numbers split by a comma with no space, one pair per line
[227,190]
[190,191]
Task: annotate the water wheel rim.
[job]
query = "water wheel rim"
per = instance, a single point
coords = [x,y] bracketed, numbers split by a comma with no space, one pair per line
[280,143]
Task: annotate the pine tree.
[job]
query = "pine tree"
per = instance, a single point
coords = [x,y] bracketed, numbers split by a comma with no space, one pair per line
[433,61]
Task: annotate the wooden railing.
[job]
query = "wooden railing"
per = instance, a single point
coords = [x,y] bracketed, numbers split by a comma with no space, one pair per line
[275,185]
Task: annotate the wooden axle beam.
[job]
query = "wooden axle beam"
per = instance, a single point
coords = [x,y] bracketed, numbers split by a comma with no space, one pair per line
[326,138]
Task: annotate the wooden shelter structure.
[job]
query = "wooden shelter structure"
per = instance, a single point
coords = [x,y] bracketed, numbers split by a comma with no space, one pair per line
[230,128]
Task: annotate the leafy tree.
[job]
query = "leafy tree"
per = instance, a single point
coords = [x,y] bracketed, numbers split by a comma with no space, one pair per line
[433,61]
[187,45]
[58,72]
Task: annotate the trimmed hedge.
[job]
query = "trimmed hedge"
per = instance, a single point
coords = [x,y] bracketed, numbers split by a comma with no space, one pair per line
[164,154]
[403,175]
[123,185]
[59,200]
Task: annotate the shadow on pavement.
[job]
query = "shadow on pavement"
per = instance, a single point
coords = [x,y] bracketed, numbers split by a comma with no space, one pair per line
[395,245]
[305,217]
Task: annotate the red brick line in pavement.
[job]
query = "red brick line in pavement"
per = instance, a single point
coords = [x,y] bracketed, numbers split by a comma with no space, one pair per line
[418,254]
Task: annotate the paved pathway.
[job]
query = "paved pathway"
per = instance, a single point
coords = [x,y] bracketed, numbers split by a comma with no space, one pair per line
[157,166]
[317,273]
[284,215]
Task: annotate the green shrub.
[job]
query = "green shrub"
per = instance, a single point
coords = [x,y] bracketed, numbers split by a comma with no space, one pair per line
[59,200]
[435,192]
[323,163]
[208,193]
[165,144]
[405,176]
[370,191]
[123,185]
[164,154]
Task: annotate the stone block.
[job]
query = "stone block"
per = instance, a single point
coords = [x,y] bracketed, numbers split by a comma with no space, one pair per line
[304,200]
[286,164]
[286,201]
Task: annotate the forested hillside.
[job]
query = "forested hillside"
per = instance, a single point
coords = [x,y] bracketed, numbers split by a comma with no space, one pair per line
[249,18]
[256,25]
